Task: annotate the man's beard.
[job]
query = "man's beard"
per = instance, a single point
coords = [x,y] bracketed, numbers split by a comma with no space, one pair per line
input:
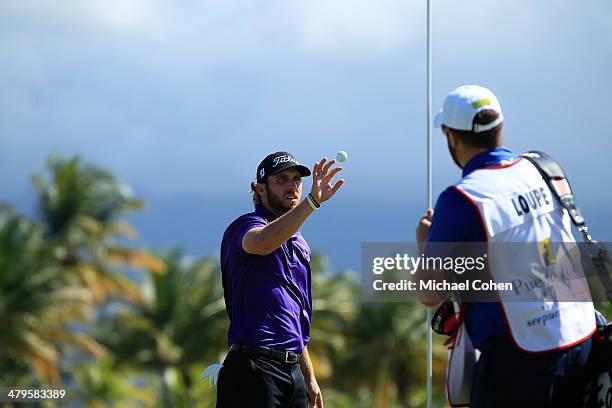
[276,202]
[453,155]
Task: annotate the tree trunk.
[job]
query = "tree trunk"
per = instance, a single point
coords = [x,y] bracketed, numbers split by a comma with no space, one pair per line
[402,382]
[188,383]
[166,396]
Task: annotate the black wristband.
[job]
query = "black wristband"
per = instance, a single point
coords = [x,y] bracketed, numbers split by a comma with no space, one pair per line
[314,201]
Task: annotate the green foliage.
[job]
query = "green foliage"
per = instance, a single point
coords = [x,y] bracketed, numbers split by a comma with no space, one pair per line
[181,323]
[605,308]
[34,303]
[56,268]
[72,194]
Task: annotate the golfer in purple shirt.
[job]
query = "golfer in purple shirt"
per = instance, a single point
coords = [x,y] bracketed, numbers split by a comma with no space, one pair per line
[265,264]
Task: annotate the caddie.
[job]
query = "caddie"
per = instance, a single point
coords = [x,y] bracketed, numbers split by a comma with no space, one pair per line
[525,361]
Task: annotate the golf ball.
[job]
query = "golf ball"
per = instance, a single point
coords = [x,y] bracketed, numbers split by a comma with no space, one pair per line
[342,156]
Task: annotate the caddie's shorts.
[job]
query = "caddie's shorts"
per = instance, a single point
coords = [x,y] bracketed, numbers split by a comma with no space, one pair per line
[248,380]
[507,377]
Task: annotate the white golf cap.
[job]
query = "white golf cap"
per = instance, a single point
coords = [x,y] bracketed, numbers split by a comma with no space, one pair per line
[461,106]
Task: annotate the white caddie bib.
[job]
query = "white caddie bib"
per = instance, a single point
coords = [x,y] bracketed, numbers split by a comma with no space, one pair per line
[516,206]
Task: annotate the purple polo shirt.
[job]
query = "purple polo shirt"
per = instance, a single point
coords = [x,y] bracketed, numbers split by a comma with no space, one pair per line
[268,297]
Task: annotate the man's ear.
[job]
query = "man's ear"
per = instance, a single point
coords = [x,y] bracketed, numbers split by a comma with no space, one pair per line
[260,189]
[452,138]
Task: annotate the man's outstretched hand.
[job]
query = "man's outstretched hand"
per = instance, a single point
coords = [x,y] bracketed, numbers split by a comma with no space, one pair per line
[322,188]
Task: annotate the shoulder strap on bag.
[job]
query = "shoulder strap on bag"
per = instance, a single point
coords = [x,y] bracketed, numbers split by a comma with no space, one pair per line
[555,177]
[558,183]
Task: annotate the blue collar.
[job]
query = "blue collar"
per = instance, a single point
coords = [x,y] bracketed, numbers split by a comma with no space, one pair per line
[493,157]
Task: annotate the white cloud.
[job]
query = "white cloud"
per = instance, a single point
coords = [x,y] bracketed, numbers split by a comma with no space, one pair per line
[196,35]
[357,26]
[125,15]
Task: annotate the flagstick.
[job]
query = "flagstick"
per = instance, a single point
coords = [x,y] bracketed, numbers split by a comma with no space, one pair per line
[429,193]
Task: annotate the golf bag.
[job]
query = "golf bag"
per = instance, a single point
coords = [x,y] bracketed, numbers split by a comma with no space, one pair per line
[462,356]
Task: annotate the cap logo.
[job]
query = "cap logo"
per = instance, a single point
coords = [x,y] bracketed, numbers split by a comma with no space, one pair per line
[282,159]
[481,102]
[262,173]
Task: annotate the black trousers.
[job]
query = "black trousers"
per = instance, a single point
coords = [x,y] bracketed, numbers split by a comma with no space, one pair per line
[247,380]
[507,377]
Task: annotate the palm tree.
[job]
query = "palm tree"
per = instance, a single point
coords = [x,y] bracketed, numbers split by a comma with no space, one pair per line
[54,271]
[180,323]
[35,305]
[100,386]
[385,355]
[334,304]
[81,208]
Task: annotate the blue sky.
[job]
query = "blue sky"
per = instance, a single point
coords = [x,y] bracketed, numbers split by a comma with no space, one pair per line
[183,99]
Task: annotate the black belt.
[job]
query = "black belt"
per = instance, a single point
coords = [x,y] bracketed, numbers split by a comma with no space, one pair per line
[282,356]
